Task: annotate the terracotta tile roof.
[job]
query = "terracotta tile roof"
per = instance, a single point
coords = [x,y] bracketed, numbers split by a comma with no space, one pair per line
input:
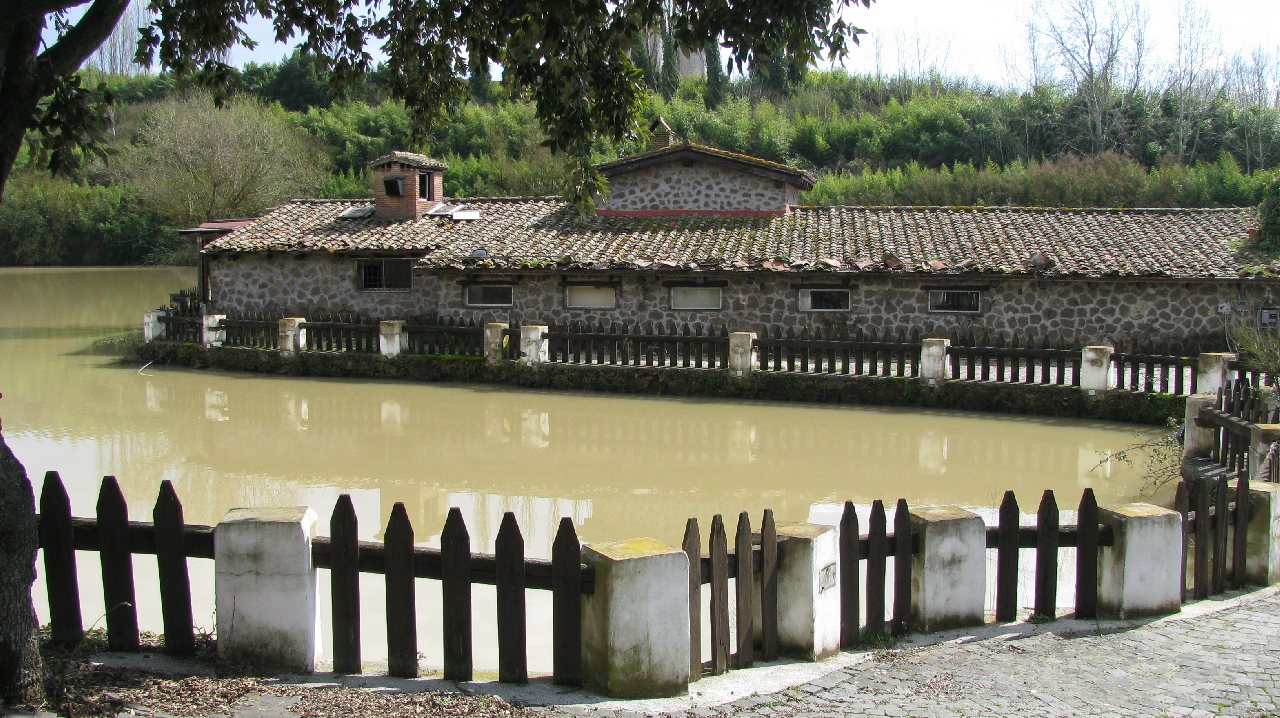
[413,159]
[684,150]
[543,232]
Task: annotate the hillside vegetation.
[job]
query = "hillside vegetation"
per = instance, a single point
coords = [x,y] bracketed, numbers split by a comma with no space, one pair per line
[882,141]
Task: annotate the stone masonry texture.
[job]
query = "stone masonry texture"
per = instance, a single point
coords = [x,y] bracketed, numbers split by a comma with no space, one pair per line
[1071,310]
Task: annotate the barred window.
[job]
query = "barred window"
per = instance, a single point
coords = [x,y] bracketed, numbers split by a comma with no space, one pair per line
[383,274]
[959,301]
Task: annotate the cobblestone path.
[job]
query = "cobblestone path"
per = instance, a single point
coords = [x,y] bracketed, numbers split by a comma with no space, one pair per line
[1226,663]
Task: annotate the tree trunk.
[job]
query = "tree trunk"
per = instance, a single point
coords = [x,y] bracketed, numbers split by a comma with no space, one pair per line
[20,669]
[19,88]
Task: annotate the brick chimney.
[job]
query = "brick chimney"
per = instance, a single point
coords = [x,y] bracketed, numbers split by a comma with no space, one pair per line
[660,135]
[406,185]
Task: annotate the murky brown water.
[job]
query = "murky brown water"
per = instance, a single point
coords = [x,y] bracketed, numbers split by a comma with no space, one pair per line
[620,466]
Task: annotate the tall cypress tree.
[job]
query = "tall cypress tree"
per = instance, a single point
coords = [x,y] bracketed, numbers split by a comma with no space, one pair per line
[643,60]
[669,75]
[478,78]
[716,81]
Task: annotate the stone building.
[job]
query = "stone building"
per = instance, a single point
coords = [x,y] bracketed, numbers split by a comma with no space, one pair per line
[695,235]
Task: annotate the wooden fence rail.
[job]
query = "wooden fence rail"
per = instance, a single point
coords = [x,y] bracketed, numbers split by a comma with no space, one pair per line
[116,539]
[341,334]
[1014,361]
[839,352]
[254,331]
[445,337]
[1150,372]
[643,344]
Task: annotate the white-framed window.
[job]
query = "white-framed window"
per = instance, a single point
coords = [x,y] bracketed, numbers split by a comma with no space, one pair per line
[393,186]
[426,188]
[956,301]
[381,275]
[695,297]
[824,300]
[583,296]
[488,295]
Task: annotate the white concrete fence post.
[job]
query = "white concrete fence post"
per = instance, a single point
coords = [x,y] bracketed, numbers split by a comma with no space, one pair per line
[293,338]
[533,346]
[1261,438]
[1212,372]
[1141,573]
[1196,441]
[493,354]
[265,587]
[635,626]
[949,572]
[1095,368]
[152,327]
[212,334]
[809,589]
[933,361]
[1262,546]
[392,338]
[742,354]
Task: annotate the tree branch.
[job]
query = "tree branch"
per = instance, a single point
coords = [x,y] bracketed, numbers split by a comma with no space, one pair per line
[35,8]
[92,30]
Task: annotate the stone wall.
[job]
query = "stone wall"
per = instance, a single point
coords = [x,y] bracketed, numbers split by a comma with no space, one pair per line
[701,186]
[1078,312]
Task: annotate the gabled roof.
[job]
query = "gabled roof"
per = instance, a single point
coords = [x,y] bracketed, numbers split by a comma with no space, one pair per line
[731,160]
[522,233]
[413,159]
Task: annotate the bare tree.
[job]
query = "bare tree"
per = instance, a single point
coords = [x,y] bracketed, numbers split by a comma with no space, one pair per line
[116,55]
[1101,53]
[1254,83]
[1193,77]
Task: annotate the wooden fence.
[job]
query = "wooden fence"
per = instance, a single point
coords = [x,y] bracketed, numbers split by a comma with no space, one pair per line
[439,336]
[253,330]
[172,541]
[1212,512]
[838,351]
[643,344]
[1149,369]
[1238,407]
[1016,360]
[341,333]
[183,319]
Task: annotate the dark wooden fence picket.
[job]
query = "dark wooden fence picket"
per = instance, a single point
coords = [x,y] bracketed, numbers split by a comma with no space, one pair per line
[718,548]
[402,622]
[1087,556]
[58,542]
[1200,585]
[455,590]
[1046,600]
[901,568]
[171,565]
[1182,504]
[768,587]
[344,585]
[508,553]
[1241,532]
[850,555]
[743,588]
[1007,551]
[117,567]
[692,546]
[566,605]
[877,553]
[1220,497]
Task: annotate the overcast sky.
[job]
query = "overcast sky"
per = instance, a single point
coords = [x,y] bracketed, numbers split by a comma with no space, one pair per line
[982,39]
